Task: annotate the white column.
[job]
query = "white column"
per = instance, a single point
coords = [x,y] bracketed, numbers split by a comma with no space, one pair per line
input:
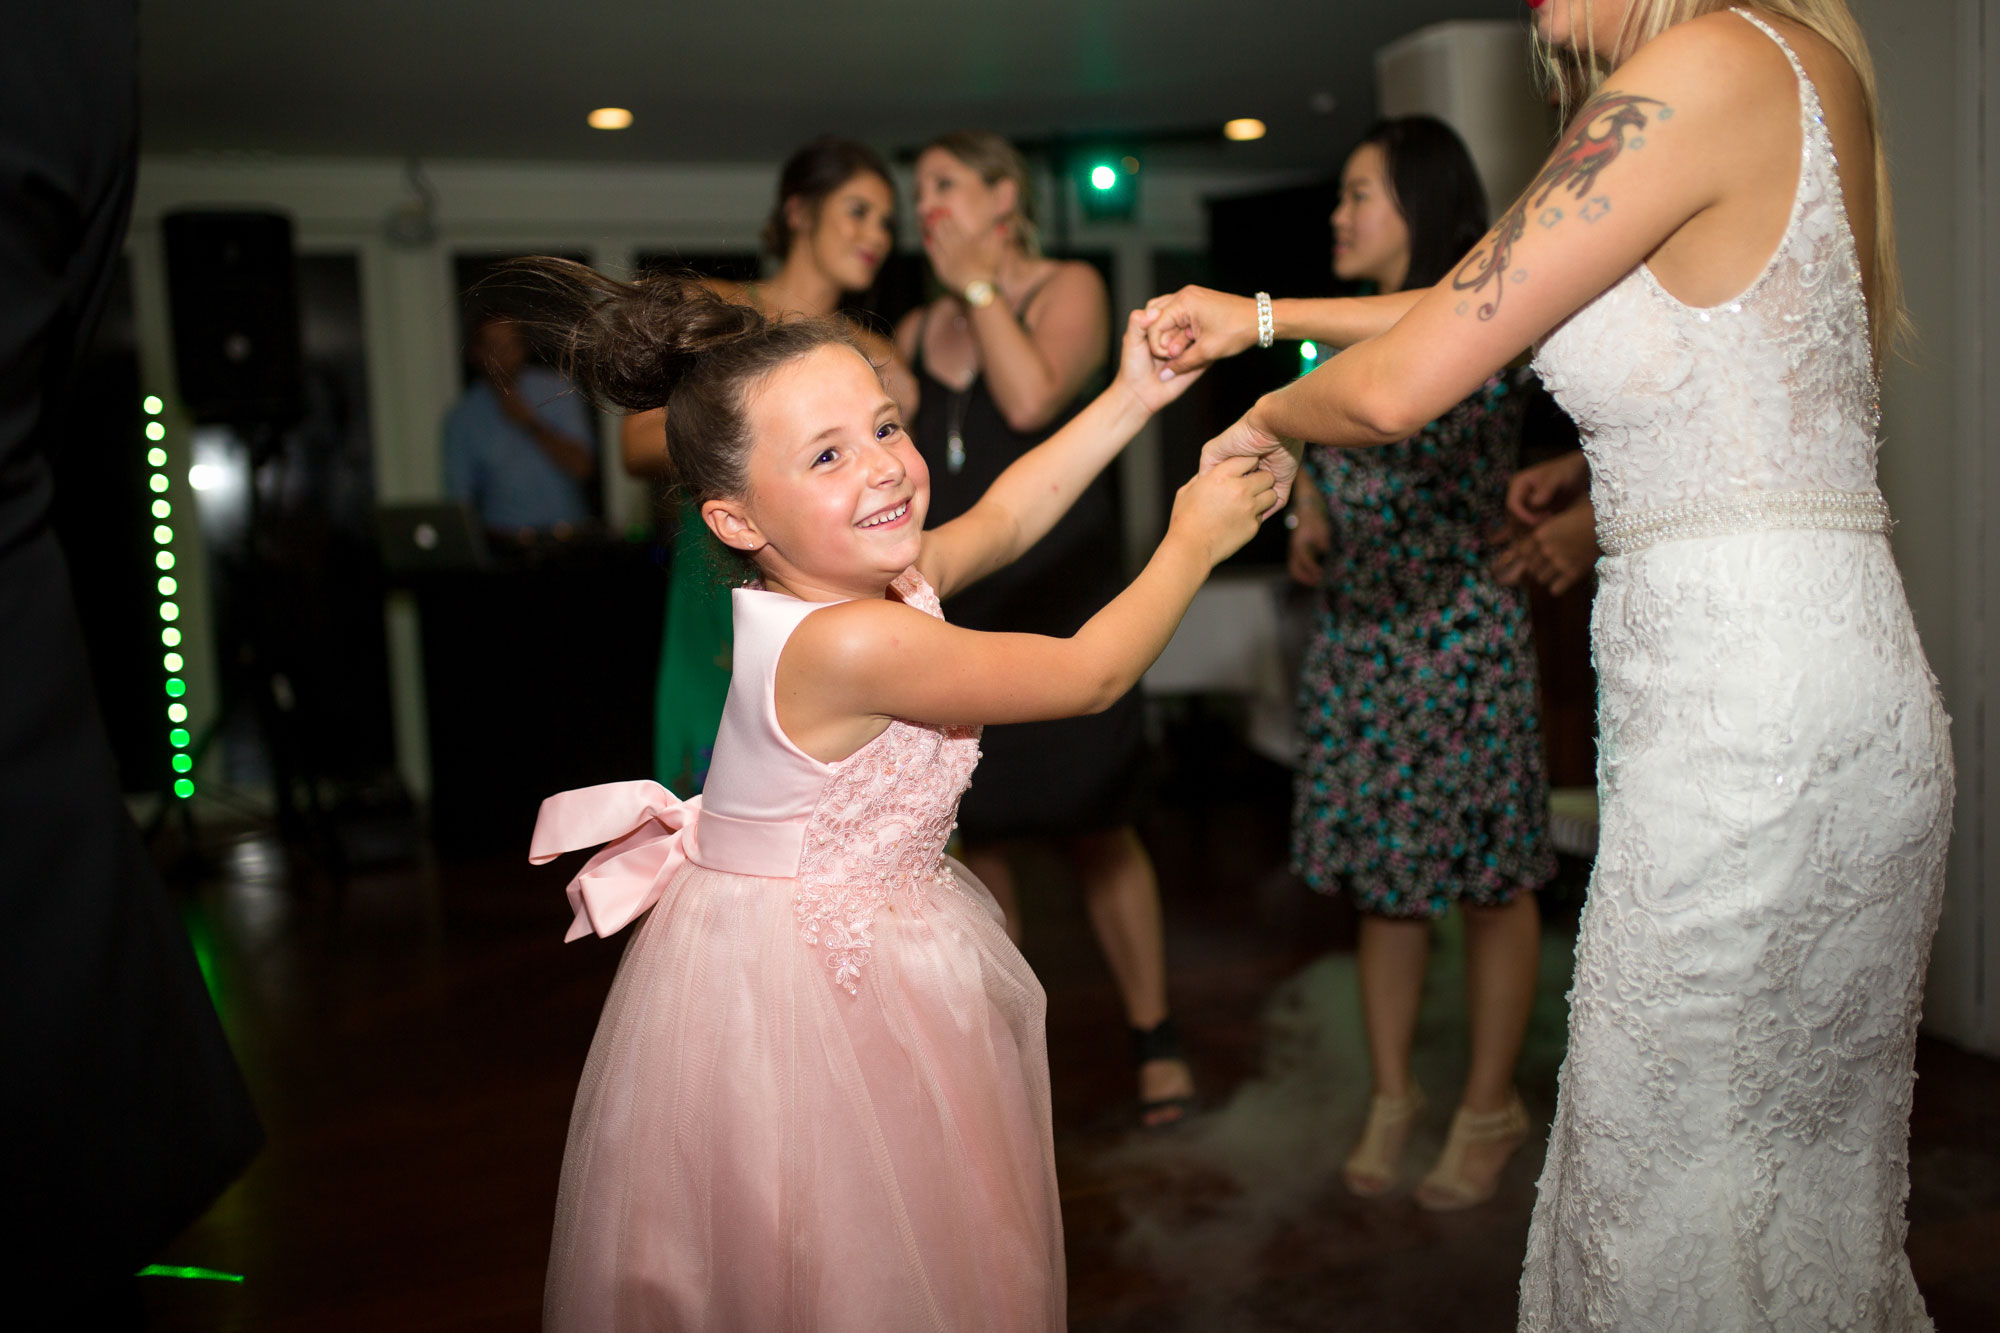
[410,314]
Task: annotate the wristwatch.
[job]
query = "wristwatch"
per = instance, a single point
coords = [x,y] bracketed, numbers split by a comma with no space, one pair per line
[978,293]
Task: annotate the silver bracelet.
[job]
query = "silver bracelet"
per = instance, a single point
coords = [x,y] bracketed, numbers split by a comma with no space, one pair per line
[1266,328]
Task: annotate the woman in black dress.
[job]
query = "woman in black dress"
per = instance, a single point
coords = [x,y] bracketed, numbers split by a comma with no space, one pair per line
[1001,360]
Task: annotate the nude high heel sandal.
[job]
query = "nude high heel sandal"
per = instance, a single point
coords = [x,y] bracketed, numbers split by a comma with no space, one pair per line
[1371,1169]
[1446,1188]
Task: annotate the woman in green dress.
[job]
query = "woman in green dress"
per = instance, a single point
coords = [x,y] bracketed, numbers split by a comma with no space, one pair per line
[831,228]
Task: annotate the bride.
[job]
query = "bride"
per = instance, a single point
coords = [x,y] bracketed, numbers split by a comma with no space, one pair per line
[1706,267]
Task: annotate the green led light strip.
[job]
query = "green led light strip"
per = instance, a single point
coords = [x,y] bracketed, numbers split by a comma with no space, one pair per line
[177,1270]
[170,610]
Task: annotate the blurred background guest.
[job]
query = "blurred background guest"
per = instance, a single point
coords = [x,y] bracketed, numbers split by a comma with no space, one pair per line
[832,226]
[1002,358]
[518,443]
[1420,781]
[125,1112]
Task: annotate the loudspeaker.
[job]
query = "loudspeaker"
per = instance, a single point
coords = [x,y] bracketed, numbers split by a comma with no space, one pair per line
[233,292]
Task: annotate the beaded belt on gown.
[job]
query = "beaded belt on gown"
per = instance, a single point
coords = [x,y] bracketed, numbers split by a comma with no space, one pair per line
[1759,511]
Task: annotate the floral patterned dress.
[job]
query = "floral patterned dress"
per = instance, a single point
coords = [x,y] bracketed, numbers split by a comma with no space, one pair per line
[1420,778]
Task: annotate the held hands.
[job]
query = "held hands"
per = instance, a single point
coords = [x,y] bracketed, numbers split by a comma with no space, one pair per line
[1221,507]
[1144,374]
[1548,488]
[1556,553]
[1277,457]
[960,257]
[1197,325]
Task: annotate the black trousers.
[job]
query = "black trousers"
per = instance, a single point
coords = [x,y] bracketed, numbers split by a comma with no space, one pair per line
[122,1113]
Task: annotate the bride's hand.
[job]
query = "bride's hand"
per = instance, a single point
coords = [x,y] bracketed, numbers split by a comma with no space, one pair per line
[1198,325]
[1142,373]
[1278,457]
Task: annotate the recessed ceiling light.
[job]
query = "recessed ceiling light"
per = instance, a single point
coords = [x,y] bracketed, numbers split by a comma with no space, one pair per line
[1245,128]
[610,118]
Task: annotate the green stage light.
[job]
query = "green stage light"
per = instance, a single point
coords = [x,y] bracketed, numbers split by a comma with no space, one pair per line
[178,1270]
[1107,184]
[168,586]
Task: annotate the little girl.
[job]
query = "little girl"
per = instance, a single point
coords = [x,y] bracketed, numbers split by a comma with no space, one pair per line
[818,1095]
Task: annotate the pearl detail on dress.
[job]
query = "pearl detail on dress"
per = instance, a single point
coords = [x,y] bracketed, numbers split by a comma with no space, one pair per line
[1762,511]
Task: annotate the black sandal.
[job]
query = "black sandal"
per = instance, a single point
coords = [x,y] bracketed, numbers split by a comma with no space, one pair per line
[1162,1042]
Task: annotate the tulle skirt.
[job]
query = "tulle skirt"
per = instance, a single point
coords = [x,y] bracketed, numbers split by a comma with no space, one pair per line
[753,1148]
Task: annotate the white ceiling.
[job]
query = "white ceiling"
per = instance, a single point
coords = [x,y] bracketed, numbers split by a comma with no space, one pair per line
[750,80]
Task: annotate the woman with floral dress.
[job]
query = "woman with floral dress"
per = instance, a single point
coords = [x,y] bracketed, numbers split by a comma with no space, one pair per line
[1420,782]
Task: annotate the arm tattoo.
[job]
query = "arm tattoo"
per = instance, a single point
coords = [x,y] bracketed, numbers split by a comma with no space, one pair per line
[1608,125]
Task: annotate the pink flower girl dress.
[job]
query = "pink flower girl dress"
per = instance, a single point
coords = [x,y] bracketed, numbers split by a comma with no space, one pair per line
[818,1095]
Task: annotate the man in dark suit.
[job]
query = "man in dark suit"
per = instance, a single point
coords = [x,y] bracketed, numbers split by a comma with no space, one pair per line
[123,1111]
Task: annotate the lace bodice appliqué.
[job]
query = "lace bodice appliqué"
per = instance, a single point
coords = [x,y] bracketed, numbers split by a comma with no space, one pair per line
[1774,390]
[879,830]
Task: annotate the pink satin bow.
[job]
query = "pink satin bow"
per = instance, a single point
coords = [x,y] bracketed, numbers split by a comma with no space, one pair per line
[644,828]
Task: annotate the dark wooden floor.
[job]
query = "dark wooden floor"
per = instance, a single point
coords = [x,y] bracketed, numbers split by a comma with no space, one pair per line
[414,1048]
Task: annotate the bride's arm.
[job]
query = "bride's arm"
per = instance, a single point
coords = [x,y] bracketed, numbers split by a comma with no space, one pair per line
[1641,158]
[1197,325]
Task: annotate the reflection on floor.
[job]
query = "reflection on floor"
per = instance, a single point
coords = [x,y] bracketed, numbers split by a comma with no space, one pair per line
[415,1044]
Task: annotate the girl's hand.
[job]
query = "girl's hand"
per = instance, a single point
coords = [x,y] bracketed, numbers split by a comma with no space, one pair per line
[1312,537]
[1278,457]
[1548,488]
[1221,507]
[960,257]
[1197,325]
[1143,374]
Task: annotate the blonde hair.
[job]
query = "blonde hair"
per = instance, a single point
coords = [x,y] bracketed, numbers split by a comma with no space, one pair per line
[1577,78]
[997,160]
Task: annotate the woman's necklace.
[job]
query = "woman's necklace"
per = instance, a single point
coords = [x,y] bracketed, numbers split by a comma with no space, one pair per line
[954,437]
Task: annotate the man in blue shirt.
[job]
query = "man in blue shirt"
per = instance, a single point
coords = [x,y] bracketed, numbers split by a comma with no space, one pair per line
[518,443]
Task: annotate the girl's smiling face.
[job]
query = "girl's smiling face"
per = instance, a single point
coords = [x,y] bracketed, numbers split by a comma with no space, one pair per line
[837,492]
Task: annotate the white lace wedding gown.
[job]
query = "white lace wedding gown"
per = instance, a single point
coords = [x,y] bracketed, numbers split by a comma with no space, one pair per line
[1730,1147]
